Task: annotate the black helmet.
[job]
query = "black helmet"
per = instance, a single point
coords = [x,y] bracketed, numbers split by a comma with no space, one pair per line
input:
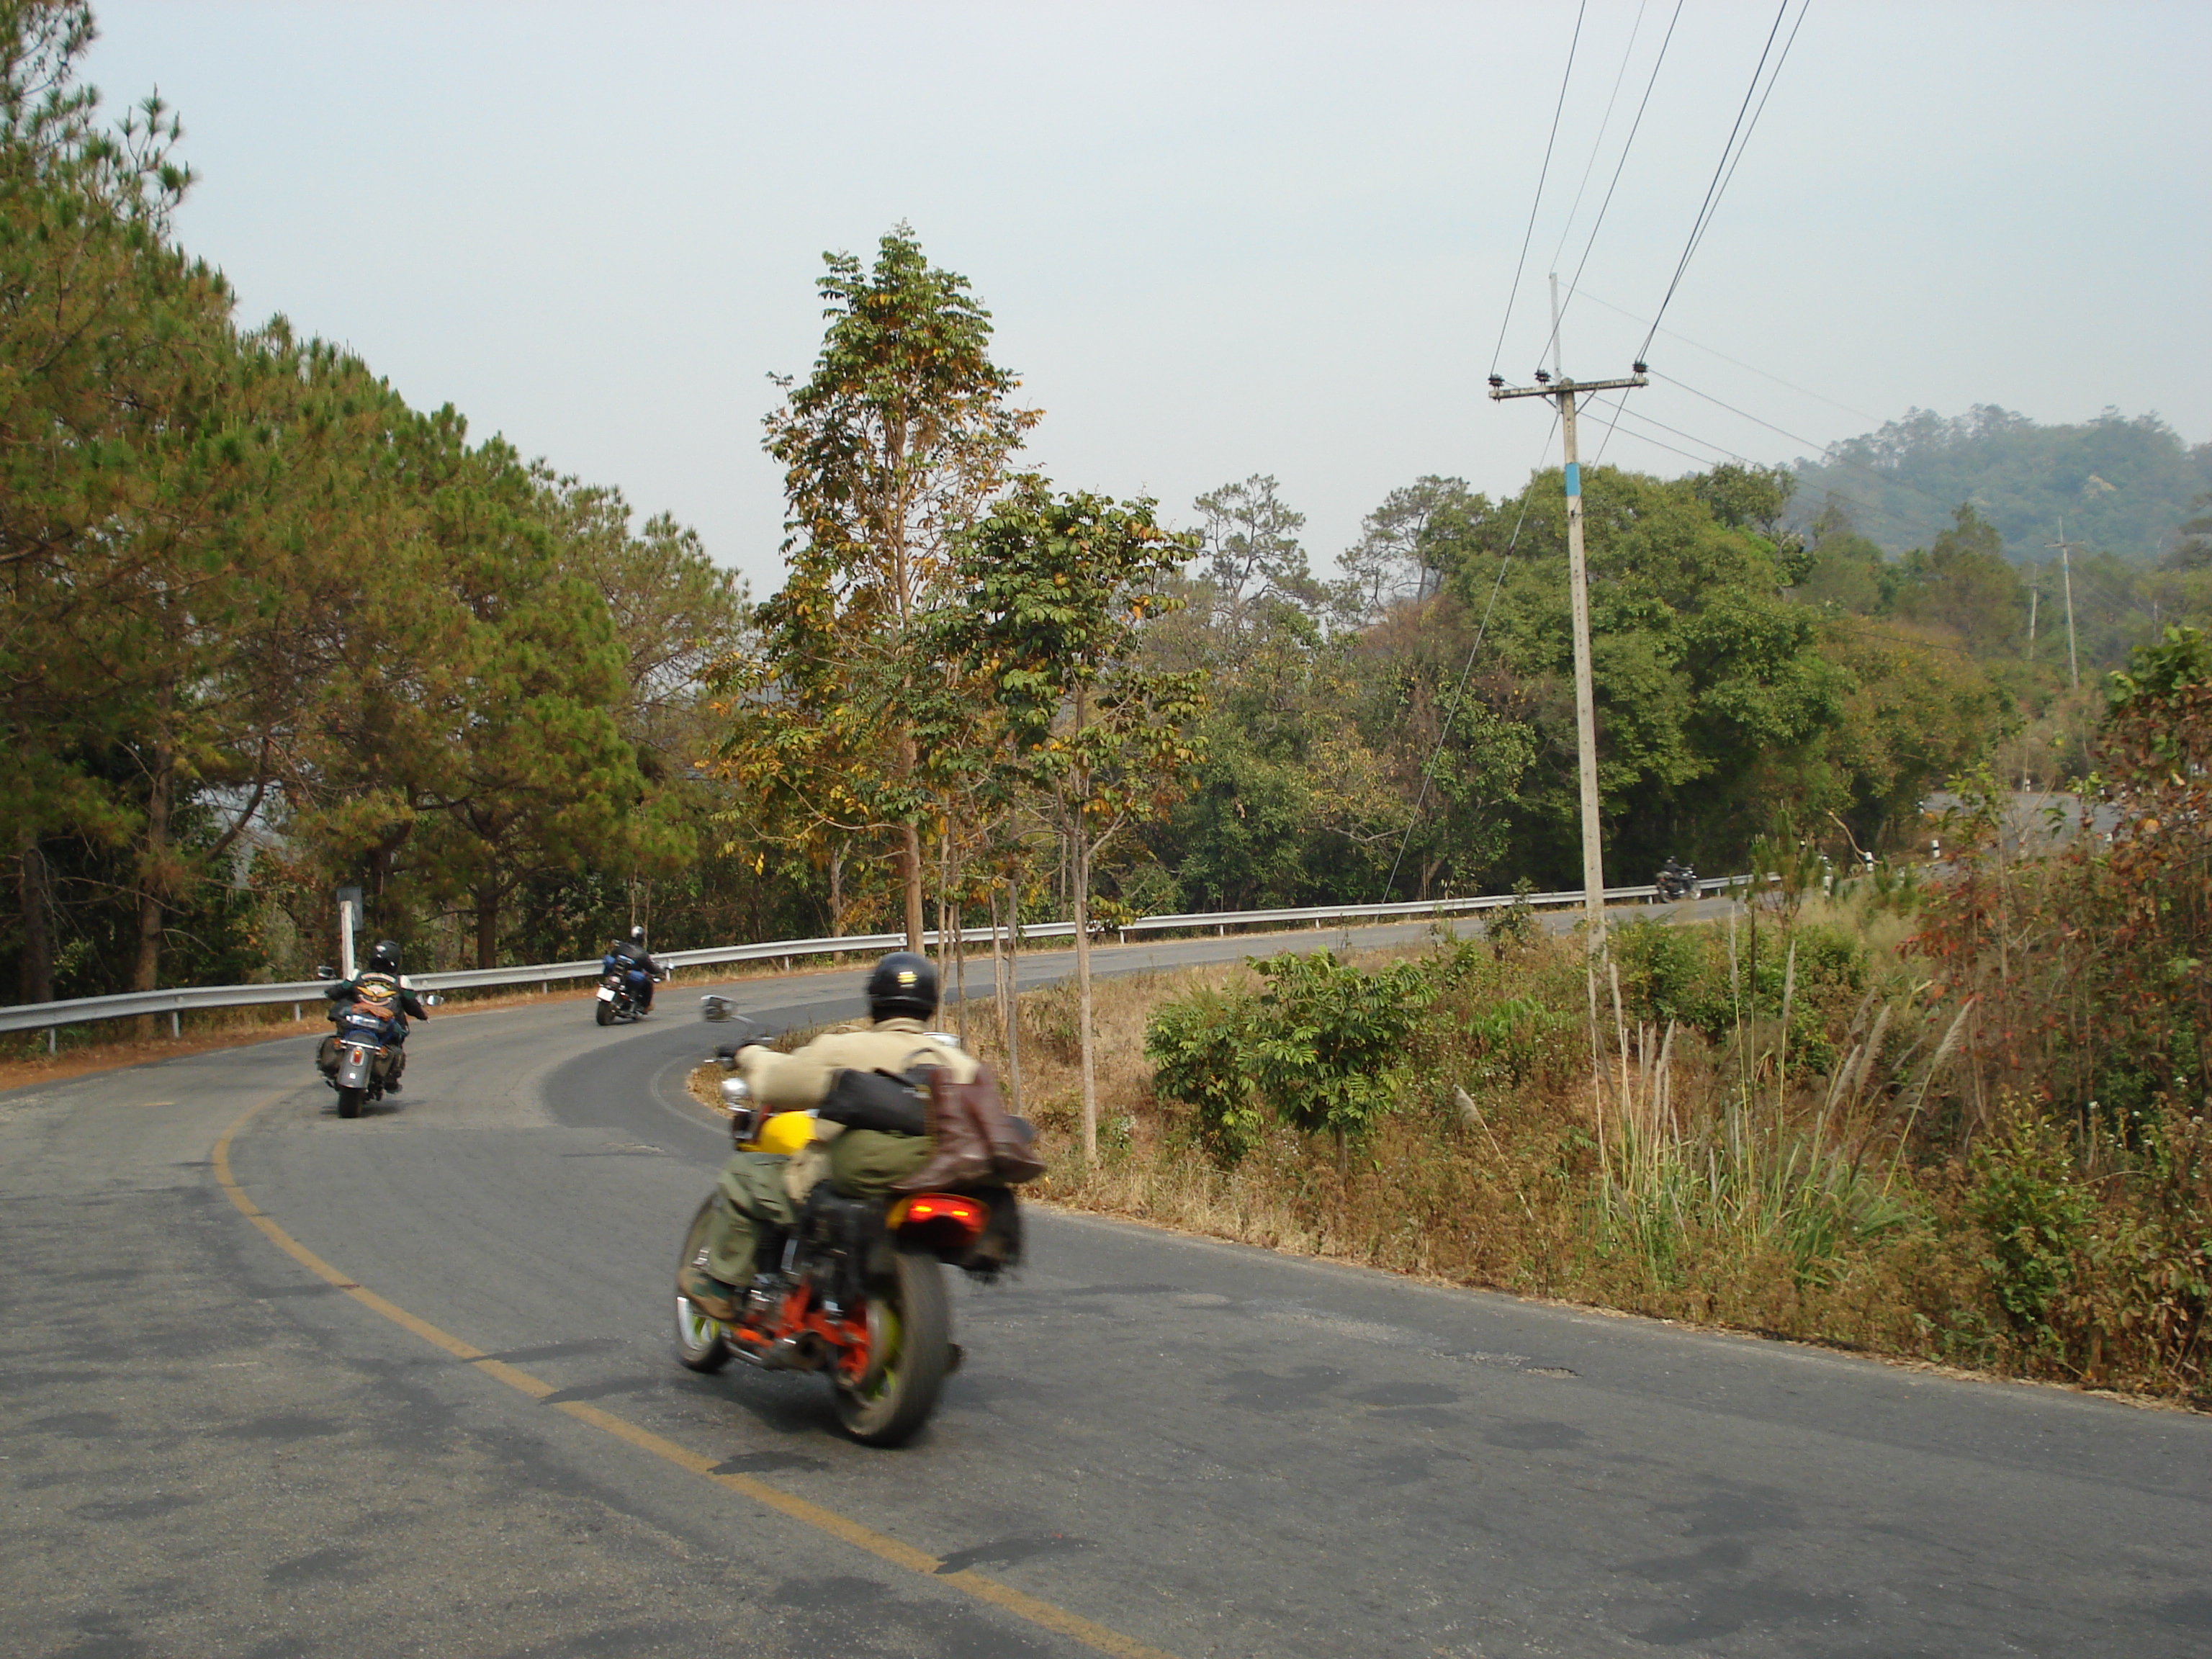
[384,958]
[902,985]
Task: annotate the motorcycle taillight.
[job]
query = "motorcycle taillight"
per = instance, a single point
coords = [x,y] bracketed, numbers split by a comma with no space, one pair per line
[948,1211]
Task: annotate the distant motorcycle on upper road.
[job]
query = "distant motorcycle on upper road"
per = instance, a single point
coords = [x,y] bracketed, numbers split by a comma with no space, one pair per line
[1675,881]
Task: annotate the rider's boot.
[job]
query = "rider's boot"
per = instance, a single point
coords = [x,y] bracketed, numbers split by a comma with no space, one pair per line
[708,1294]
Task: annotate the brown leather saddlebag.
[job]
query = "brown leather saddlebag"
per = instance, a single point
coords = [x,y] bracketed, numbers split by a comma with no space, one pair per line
[976,1140]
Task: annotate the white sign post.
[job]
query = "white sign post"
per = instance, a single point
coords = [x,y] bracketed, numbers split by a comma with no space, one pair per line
[349,919]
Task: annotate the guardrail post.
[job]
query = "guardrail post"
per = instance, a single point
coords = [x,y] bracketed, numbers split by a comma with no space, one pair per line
[53,1038]
[295,1013]
[176,1023]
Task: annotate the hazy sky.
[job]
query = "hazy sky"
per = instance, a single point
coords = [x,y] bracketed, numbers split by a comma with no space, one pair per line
[1215,239]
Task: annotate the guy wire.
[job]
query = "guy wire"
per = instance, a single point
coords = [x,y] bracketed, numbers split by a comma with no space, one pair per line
[1428,770]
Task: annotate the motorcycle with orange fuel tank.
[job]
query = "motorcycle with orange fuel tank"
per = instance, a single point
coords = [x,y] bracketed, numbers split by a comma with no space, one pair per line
[861,1294]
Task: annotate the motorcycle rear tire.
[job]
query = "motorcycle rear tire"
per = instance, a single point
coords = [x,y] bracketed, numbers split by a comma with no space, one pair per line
[700,1344]
[349,1101]
[604,1013]
[902,1386]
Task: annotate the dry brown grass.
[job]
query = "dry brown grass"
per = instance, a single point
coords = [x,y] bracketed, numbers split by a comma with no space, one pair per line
[1507,1188]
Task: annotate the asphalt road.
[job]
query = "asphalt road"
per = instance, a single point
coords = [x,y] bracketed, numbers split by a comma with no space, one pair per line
[404,1385]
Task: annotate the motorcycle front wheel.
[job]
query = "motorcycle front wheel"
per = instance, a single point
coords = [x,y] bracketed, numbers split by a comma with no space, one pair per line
[910,1343]
[349,1101]
[700,1344]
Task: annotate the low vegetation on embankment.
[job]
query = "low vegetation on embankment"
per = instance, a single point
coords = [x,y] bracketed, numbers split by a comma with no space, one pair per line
[1963,1124]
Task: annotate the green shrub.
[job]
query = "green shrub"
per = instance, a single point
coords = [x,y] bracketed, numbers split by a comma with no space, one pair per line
[1320,1048]
[2034,1217]
[1513,1037]
[1198,1048]
[1328,1040]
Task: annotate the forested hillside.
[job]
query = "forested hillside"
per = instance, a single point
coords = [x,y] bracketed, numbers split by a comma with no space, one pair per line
[268,630]
[2120,485]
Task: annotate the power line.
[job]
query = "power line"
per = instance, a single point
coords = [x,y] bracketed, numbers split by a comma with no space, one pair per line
[1598,143]
[1805,392]
[1620,408]
[1699,235]
[1429,767]
[1826,451]
[1543,172]
[1627,144]
[1720,450]
[1725,168]
[1864,631]
[1793,438]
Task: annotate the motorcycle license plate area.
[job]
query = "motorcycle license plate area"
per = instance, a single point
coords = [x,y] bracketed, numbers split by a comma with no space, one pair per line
[607,994]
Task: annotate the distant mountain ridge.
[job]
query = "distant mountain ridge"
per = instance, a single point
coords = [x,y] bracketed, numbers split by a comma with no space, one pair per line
[2121,483]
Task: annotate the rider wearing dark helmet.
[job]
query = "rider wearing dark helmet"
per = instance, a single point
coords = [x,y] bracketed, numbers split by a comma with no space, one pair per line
[629,958]
[380,991]
[861,1153]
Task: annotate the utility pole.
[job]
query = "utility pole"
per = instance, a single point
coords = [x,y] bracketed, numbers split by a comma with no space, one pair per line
[2066,570]
[2034,598]
[1563,392]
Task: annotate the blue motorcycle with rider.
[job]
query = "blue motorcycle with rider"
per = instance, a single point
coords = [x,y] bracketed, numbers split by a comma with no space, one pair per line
[627,975]
[364,1057]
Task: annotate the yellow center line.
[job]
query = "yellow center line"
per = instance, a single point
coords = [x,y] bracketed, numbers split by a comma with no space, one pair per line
[879,1545]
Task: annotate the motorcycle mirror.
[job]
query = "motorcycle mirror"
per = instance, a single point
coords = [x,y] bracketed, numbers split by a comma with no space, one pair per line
[432,999]
[325,971]
[715,1009]
[727,1053]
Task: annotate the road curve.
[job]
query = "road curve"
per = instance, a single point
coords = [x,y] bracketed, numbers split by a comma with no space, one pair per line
[277,1384]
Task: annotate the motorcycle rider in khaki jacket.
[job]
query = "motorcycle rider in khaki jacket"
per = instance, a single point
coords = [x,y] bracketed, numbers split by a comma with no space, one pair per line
[760,1193]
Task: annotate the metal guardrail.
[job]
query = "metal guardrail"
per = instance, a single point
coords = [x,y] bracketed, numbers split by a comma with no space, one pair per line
[305,993]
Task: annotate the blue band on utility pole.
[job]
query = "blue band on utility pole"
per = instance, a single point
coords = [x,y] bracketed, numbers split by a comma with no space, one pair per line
[1574,478]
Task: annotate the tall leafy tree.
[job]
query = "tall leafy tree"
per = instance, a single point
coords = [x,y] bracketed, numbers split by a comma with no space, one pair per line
[1707,678]
[891,448]
[1248,541]
[1062,587]
[1964,582]
[1389,563]
[528,769]
[76,205]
